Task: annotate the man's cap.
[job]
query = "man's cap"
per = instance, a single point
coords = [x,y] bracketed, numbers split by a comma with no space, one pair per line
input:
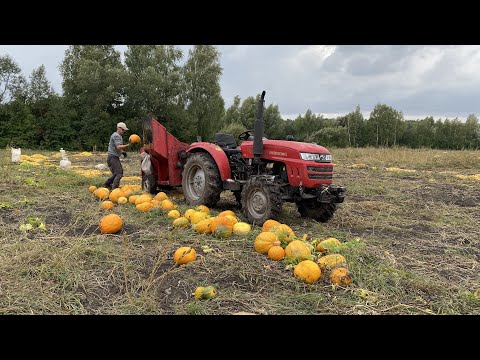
[122,125]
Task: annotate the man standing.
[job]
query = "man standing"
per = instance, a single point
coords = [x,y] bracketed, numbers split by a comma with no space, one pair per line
[115,149]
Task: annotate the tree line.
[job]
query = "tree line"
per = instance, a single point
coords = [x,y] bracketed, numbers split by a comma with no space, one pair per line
[99,90]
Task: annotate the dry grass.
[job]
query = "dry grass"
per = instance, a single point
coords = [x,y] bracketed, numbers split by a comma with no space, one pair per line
[411,239]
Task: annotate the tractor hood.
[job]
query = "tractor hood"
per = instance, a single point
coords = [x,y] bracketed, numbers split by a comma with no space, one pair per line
[299,146]
[284,144]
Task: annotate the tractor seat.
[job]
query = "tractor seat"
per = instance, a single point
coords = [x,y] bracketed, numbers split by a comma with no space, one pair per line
[227,143]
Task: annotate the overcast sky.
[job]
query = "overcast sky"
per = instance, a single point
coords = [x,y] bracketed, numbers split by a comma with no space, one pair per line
[441,81]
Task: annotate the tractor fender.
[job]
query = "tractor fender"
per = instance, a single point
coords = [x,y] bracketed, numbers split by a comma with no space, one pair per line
[217,154]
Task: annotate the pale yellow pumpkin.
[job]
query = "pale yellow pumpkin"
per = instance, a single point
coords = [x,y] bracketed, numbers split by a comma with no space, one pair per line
[325,245]
[92,188]
[189,213]
[181,222]
[122,200]
[207,292]
[331,261]
[173,214]
[241,228]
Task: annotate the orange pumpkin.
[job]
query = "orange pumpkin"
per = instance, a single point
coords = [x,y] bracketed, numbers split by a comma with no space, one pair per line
[101,193]
[227,212]
[203,208]
[134,139]
[92,188]
[161,196]
[221,220]
[204,226]
[110,224]
[115,194]
[341,276]
[173,214]
[133,198]
[308,271]
[167,205]
[143,198]
[264,241]
[297,250]
[107,205]
[276,253]
[145,206]
[184,255]
[268,224]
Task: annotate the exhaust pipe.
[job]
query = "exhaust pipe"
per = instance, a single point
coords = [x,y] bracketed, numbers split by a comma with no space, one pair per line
[259,130]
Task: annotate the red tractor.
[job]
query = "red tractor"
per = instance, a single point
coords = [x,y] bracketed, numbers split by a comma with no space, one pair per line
[261,173]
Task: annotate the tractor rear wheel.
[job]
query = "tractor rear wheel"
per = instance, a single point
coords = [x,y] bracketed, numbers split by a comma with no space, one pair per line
[321,212]
[261,201]
[149,183]
[201,182]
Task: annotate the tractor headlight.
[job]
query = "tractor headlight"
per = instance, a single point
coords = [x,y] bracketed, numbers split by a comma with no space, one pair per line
[313,157]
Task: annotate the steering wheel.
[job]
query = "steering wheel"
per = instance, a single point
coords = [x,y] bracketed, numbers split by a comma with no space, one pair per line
[245,135]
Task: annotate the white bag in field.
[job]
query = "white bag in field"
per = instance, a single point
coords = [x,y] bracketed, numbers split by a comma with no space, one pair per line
[65,164]
[16,155]
[147,165]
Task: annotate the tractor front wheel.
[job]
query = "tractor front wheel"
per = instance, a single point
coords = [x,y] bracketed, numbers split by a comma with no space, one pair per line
[261,201]
[201,182]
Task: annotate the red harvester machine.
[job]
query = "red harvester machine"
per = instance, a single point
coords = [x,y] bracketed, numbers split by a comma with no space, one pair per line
[261,173]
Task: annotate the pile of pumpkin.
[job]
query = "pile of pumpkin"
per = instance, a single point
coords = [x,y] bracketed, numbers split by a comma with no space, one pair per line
[279,242]
[221,226]
[129,194]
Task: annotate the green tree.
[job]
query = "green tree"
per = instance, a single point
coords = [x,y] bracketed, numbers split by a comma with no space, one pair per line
[93,85]
[248,112]
[154,85]
[11,79]
[385,126]
[204,102]
[232,115]
[330,137]
[472,132]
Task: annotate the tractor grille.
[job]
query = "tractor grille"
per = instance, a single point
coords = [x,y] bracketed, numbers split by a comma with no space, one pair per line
[320,176]
[320,168]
